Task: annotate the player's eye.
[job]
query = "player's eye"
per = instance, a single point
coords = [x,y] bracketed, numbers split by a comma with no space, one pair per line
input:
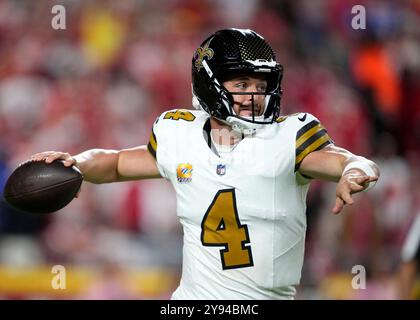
[241,85]
[262,88]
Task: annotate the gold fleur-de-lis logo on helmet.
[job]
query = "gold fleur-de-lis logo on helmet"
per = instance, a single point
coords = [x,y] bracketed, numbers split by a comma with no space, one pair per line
[202,52]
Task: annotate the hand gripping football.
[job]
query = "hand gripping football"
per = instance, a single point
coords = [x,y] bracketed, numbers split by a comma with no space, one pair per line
[39,187]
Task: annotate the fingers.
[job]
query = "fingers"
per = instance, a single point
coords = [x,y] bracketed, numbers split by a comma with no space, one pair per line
[346,197]
[343,197]
[40,156]
[348,185]
[365,179]
[341,201]
[51,156]
[339,204]
[69,162]
[361,179]
[362,183]
[346,188]
[355,187]
[55,156]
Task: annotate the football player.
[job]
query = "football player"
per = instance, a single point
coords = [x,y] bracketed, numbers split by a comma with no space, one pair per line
[241,172]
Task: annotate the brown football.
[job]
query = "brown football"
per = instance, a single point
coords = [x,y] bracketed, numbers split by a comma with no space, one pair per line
[39,187]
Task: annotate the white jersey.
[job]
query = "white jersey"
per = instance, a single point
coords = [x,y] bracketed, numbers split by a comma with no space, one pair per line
[242,212]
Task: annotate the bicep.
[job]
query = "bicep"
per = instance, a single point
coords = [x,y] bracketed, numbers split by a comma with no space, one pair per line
[136,163]
[325,164]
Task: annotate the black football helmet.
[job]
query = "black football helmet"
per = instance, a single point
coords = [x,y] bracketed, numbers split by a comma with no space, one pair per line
[232,52]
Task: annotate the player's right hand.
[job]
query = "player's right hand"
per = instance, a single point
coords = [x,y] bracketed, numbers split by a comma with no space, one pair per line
[50,156]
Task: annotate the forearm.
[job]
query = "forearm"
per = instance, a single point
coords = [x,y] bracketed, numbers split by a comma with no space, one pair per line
[327,164]
[330,163]
[352,173]
[98,165]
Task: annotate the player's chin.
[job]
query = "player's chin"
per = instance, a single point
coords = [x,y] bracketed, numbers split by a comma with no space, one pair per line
[248,113]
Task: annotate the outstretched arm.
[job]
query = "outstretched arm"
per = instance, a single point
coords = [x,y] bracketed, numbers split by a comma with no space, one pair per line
[352,173]
[103,166]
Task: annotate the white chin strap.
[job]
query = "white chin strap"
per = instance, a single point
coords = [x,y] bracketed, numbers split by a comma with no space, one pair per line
[242,126]
[237,124]
[246,127]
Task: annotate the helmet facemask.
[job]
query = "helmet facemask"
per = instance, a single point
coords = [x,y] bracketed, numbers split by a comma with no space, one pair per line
[262,107]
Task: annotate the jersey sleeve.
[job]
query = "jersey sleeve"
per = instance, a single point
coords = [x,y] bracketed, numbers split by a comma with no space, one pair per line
[310,136]
[152,145]
[168,137]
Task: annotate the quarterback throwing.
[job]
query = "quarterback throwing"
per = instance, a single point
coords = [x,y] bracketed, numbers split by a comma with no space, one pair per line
[240,171]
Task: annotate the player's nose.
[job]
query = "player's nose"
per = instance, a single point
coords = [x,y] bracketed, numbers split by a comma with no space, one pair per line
[249,99]
[252,98]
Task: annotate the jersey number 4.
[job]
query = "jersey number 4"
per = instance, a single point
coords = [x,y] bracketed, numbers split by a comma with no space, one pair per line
[179,114]
[221,227]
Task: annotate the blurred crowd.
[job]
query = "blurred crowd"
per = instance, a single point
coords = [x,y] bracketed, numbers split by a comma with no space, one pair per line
[103,80]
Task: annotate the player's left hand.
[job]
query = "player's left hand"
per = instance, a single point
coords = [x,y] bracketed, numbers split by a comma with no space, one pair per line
[351,182]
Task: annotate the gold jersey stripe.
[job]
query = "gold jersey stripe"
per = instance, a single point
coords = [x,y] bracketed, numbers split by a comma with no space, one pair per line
[304,137]
[312,147]
[152,145]
[150,149]
[281,119]
[153,142]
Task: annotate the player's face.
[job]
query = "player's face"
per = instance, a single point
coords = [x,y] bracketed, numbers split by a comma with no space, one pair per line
[243,102]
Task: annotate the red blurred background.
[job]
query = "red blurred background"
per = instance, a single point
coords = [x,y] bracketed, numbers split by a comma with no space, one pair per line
[103,80]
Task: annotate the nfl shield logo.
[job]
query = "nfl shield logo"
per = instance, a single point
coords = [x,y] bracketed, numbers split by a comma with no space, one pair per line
[221,169]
